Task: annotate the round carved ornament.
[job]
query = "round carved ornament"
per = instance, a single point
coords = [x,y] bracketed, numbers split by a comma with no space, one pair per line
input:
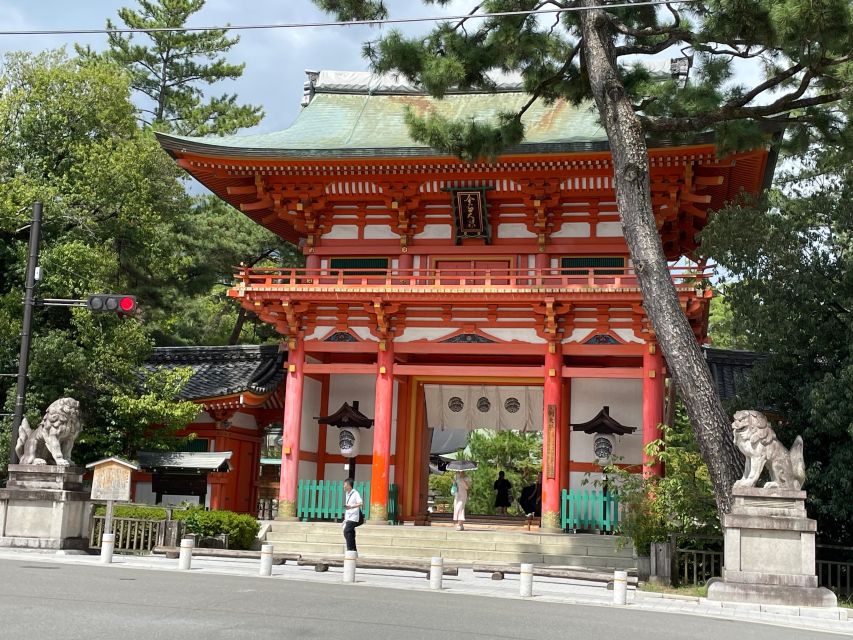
[483,405]
[455,404]
[512,405]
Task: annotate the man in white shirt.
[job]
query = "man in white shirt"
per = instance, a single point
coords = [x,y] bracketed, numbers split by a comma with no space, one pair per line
[352,513]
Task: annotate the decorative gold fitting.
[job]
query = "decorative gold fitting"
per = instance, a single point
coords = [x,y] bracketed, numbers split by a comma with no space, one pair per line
[382,370]
[552,373]
[291,368]
[652,373]
[652,348]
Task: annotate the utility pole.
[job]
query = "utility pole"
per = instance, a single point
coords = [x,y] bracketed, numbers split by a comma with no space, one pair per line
[26,329]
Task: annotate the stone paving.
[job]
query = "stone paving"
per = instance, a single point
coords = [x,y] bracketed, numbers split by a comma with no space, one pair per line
[481,584]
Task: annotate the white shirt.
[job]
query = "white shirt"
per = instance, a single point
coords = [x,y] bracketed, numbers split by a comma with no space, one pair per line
[353,505]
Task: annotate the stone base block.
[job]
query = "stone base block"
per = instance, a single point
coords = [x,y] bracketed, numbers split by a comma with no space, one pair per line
[18,542]
[771,594]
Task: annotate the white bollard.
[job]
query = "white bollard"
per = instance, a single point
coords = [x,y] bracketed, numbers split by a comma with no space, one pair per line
[436,573]
[620,587]
[186,558]
[349,566]
[266,560]
[108,543]
[526,585]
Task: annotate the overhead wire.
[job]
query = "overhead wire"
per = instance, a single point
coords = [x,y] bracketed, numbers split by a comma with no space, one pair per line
[344,23]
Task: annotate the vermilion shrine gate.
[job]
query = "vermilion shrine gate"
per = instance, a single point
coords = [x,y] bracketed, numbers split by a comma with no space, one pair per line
[442,294]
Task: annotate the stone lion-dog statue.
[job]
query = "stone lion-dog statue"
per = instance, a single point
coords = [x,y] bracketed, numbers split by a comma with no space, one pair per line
[53,438]
[757,441]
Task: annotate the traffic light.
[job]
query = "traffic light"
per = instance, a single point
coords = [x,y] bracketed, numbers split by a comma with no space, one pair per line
[112,302]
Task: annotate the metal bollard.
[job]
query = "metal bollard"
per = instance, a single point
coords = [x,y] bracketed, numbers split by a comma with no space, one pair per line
[436,573]
[620,587]
[349,566]
[108,543]
[266,560]
[185,559]
[526,585]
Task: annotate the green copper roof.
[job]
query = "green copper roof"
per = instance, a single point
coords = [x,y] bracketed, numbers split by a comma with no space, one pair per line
[354,124]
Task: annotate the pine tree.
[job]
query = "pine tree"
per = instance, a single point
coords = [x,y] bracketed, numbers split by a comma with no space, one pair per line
[171,70]
[590,53]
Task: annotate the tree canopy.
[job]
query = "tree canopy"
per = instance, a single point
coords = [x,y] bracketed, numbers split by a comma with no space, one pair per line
[789,266]
[583,52]
[172,70]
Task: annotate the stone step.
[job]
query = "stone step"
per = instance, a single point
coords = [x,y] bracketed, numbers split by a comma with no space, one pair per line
[461,555]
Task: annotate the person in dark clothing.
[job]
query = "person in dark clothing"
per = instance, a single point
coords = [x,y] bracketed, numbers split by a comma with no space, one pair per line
[531,498]
[352,513]
[502,488]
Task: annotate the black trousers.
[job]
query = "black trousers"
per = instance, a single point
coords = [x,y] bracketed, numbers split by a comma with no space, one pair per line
[349,535]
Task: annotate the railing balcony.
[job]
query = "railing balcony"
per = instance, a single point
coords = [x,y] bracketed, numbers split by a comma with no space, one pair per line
[449,280]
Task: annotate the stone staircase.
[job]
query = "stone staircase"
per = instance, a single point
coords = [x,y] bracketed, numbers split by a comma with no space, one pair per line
[472,545]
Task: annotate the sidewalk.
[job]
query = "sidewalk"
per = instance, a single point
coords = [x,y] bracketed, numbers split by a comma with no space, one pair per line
[480,584]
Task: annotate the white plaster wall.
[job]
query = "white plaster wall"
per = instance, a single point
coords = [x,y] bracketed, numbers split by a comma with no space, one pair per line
[514,230]
[625,399]
[627,335]
[517,335]
[361,387]
[364,333]
[310,410]
[203,418]
[319,332]
[435,232]
[342,232]
[609,229]
[423,333]
[244,421]
[578,335]
[572,230]
[307,470]
[379,232]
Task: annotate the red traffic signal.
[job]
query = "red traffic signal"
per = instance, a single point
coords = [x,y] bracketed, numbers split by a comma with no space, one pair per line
[115,303]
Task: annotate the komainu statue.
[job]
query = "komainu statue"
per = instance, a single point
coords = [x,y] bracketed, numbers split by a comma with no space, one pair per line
[54,438]
[757,441]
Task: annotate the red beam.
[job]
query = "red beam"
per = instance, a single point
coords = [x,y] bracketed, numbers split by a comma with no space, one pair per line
[317,346]
[478,348]
[602,372]
[340,368]
[470,371]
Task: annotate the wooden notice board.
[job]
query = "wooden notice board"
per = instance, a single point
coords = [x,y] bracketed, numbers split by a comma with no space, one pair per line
[111,481]
[551,462]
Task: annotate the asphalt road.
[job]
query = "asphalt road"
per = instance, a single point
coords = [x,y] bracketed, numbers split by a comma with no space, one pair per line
[49,601]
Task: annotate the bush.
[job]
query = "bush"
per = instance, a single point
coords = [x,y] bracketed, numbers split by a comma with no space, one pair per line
[241,529]
[137,512]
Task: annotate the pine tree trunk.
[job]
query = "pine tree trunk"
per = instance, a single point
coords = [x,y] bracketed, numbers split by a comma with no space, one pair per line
[633,196]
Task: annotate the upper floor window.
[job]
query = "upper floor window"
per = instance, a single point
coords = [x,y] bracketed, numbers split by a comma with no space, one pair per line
[358,266]
[602,265]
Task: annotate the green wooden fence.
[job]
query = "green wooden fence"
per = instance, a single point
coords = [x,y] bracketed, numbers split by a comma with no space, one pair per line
[324,500]
[589,510]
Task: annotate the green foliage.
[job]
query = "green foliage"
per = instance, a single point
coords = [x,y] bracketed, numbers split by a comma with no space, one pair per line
[139,512]
[721,36]
[720,324]
[518,454]
[680,502]
[242,529]
[171,70]
[790,293]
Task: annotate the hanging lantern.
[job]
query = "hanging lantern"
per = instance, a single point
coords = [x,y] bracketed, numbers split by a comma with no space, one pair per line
[603,430]
[602,447]
[349,440]
[349,421]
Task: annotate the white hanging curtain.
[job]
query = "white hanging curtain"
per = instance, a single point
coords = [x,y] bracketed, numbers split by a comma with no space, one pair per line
[473,407]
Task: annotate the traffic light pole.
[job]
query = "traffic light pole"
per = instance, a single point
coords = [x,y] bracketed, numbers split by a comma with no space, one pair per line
[26,329]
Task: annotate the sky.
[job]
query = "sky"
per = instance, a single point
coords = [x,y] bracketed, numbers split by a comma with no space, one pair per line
[275,60]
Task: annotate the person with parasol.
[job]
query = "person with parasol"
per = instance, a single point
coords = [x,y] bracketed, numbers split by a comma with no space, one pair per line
[459,489]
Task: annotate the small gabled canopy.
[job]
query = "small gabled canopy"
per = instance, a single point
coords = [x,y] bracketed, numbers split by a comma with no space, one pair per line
[176,461]
[347,416]
[603,423]
[120,461]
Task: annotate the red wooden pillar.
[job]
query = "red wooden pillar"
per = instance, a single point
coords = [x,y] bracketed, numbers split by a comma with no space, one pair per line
[380,475]
[653,388]
[565,432]
[553,392]
[292,430]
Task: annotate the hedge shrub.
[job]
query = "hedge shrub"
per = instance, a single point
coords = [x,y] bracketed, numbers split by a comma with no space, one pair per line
[242,529]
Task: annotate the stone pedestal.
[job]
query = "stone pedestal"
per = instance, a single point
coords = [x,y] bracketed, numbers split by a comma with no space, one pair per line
[770,551]
[44,507]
